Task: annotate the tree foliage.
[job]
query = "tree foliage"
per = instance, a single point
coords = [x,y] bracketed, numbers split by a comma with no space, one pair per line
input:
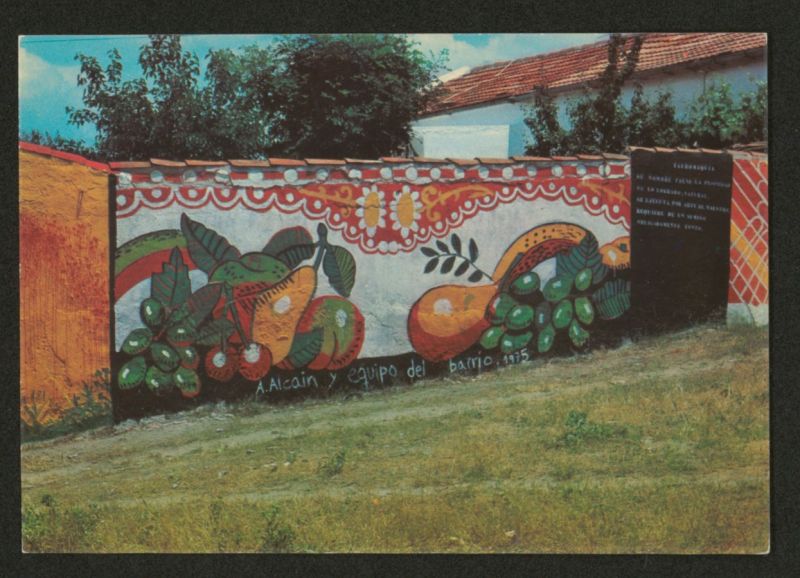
[308,95]
[600,122]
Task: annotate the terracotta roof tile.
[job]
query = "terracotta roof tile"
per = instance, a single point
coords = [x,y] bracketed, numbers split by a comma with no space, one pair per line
[531,159]
[116,165]
[166,163]
[362,161]
[491,161]
[199,163]
[324,161]
[248,163]
[463,162]
[575,66]
[396,159]
[428,160]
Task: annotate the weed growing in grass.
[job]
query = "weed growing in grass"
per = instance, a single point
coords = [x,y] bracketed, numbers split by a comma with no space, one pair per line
[277,535]
[48,528]
[580,430]
[333,466]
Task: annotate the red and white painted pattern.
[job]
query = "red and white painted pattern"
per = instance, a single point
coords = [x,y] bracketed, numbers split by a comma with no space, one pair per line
[382,208]
[749,279]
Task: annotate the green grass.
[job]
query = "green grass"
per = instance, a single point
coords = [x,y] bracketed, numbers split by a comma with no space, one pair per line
[660,446]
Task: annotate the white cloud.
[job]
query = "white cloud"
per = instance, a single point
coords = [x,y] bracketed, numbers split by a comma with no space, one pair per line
[37,77]
[499,46]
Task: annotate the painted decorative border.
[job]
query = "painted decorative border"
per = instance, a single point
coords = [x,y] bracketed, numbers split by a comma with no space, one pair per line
[384,209]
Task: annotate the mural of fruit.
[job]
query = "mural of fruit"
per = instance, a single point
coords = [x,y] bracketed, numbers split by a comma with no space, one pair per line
[277,311]
[255,361]
[341,332]
[535,246]
[222,365]
[447,320]
[617,254]
[519,308]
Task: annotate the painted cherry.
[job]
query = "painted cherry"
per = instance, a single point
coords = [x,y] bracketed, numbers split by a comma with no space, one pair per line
[222,365]
[255,361]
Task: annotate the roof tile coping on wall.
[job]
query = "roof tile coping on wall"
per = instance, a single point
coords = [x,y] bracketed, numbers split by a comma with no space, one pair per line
[65,156]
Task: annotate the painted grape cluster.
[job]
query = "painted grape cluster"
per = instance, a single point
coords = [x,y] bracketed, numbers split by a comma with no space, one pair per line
[257,311]
[517,309]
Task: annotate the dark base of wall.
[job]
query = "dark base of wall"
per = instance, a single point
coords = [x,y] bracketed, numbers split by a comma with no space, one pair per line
[281,386]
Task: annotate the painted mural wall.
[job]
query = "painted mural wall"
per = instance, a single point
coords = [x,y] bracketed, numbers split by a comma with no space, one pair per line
[748,294]
[290,277]
[296,274]
[64,287]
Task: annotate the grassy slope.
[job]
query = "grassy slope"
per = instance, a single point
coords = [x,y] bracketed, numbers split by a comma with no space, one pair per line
[672,457]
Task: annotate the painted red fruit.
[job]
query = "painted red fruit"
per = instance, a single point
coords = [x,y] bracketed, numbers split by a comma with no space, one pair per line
[255,361]
[222,365]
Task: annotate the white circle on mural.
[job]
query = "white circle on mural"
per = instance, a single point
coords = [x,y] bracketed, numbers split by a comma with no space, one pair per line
[289,198]
[353,230]
[290,175]
[322,174]
[595,201]
[454,215]
[317,204]
[467,204]
[258,194]
[411,173]
[409,241]
[422,231]
[505,190]
[222,174]
[335,217]
[508,172]
[354,174]
[439,226]
[386,173]
[435,173]
[573,191]
[483,172]
[531,171]
[406,189]
[255,175]
[551,186]
[605,170]
[156,193]
[458,173]
[120,200]
[557,171]
[370,243]
[529,186]
[581,170]
[156,176]
[124,178]
[190,176]
[627,169]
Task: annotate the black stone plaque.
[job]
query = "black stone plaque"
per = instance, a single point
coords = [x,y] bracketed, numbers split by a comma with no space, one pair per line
[680,238]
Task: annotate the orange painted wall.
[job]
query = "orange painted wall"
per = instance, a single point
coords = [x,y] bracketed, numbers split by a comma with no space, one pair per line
[64,304]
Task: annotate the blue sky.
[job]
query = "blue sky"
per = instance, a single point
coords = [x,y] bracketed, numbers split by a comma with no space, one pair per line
[48,69]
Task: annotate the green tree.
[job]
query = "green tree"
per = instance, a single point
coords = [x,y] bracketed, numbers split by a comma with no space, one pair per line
[309,95]
[715,120]
[753,106]
[650,124]
[349,95]
[542,120]
[598,118]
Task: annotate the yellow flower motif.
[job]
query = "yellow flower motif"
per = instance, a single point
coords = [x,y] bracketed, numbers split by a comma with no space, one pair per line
[406,209]
[371,210]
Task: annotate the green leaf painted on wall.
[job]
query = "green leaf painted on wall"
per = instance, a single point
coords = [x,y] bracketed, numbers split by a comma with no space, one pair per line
[171,287]
[340,268]
[305,348]
[613,299]
[291,245]
[207,248]
[213,332]
[585,255]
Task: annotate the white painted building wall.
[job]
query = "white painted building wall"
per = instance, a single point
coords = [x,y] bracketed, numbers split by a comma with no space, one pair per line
[477,132]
